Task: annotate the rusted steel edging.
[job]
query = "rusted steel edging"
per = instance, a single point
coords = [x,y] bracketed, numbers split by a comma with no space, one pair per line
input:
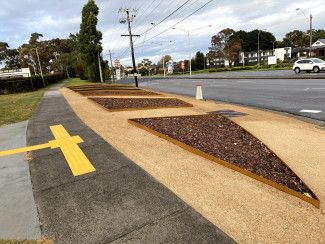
[314,201]
[185,105]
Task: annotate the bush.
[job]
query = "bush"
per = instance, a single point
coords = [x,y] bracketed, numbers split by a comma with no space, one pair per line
[22,84]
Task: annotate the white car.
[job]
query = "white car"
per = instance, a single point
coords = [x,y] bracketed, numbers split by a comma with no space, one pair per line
[308,65]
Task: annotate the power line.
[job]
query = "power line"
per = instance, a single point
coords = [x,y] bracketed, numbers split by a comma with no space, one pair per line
[194,12]
[181,6]
[197,10]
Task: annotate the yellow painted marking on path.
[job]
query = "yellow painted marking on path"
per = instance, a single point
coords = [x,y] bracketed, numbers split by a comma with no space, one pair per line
[76,159]
[24,149]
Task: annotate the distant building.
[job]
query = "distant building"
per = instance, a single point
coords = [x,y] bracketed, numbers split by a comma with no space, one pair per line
[318,48]
[14,73]
[251,58]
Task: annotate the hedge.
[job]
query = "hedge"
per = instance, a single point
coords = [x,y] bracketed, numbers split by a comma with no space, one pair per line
[24,84]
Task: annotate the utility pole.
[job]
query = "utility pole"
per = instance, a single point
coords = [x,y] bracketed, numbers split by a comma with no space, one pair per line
[100,69]
[112,68]
[128,20]
[258,48]
[40,67]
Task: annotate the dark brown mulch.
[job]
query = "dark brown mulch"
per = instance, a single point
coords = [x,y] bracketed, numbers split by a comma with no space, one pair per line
[103,88]
[118,93]
[139,103]
[224,139]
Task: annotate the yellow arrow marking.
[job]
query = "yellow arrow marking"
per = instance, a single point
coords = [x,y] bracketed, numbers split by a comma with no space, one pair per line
[76,159]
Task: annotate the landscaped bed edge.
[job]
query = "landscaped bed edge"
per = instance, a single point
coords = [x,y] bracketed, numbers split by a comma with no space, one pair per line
[314,201]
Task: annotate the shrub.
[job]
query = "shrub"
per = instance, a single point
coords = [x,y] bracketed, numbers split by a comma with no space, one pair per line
[22,84]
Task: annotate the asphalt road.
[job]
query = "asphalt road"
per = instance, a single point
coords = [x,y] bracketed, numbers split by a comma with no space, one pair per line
[285,95]
[262,74]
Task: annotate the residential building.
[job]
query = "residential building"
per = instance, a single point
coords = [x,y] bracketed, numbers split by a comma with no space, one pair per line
[251,58]
[318,48]
[14,73]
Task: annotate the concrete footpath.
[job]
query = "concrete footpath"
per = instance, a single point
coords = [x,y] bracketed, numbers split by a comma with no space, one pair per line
[118,203]
[18,215]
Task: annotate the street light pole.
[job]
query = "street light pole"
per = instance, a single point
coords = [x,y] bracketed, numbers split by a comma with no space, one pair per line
[189,44]
[258,48]
[310,33]
[310,19]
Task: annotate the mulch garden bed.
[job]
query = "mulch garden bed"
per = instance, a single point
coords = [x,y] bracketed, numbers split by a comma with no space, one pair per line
[119,93]
[111,90]
[103,87]
[121,104]
[220,139]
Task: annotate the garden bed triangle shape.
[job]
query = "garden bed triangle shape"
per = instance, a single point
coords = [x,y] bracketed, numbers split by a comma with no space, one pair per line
[221,140]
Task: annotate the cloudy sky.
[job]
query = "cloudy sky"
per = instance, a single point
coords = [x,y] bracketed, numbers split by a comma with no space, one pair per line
[57,18]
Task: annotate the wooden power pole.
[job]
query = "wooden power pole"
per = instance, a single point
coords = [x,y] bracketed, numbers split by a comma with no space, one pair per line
[128,19]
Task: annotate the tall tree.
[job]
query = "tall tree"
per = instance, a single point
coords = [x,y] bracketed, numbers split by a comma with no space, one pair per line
[89,39]
[9,57]
[198,61]
[224,45]
[3,49]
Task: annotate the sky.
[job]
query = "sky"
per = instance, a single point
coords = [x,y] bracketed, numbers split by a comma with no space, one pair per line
[55,18]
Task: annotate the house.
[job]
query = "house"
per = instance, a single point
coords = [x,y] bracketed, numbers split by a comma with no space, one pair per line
[318,48]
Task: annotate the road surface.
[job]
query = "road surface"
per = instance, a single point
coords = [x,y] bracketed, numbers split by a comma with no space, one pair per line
[299,97]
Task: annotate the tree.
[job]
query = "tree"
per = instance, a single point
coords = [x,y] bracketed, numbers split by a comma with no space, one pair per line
[198,61]
[318,34]
[3,49]
[225,45]
[12,59]
[249,40]
[296,38]
[165,59]
[220,41]
[89,40]
[9,57]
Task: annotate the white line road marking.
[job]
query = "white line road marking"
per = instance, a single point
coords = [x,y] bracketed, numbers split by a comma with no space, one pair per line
[310,111]
[319,88]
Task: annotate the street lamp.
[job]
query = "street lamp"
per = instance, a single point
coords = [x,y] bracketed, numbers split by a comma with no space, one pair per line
[161,43]
[258,47]
[310,19]
[189,42]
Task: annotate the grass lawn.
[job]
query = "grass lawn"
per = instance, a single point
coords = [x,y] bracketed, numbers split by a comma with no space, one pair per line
[21,106]
[76,82]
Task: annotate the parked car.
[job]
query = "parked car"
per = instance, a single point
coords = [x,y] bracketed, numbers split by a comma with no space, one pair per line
[309,64]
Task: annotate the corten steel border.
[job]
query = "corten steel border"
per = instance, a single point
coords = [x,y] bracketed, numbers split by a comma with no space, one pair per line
[314,201]
[106,88]
[124,95]
[185,105]
[132,93]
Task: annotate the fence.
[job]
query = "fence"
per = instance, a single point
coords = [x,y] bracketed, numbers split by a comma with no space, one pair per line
[22,84]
